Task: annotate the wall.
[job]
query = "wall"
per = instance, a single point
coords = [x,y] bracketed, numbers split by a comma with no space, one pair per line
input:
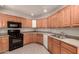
[68,31]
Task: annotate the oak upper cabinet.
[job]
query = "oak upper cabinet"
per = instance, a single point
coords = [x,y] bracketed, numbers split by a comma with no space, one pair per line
[75,15]
[4,44]
[27,38]
[27,23]
[38,38]
[66,16]
[54,21]
[11,18]
[41,23]
[49,22]
[3,20]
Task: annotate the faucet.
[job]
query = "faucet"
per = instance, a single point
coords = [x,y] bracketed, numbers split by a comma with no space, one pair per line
[62,35]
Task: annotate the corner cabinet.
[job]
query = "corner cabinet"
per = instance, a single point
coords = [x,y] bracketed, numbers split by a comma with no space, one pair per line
[33,38]
[27,38]
[41,23]
[37,38]
[27,23]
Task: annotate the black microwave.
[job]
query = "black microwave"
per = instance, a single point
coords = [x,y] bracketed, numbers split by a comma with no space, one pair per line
[14,24]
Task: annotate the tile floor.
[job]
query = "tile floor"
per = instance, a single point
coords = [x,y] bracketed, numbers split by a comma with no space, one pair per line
[29,49]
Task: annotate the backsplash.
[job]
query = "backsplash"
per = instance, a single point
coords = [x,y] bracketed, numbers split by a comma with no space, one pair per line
[27,29]
[68,31]
[3,31]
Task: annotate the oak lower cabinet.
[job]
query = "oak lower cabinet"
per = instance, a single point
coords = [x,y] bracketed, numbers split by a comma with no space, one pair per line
[68,49]
[50,44]
[27,38]
[37,38]
[33,38]
[4,44]
[54,45]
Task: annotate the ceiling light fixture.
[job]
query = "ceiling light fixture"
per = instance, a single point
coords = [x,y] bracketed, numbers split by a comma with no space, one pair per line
[45,10]
[32,14]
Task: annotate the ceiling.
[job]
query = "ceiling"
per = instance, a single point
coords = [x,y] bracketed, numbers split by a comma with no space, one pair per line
[30,11]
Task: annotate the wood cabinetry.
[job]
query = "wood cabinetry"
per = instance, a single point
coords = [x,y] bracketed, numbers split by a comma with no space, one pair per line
[33,38]
[4,18]
[66,16]
[54,45]
[50,44]
[4,44]
[68,49]
[59,47]
[41,23]
[27,23]
[27,38]
[75,15]
[38,38]
[3,21]
[60,19]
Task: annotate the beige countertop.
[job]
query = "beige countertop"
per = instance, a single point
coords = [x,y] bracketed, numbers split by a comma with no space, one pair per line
[73,42]
[67,40]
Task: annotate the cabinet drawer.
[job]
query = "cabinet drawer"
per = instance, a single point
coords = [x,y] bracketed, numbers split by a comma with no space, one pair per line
[56,49]
[65,51]
[69,47]
[55,41]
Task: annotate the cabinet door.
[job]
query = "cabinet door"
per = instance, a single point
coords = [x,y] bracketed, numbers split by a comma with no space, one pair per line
[38,38]
[3,20]
[41,23]
[5,43]
[50,44]
[29,23]
[68,47]
[0,44]
[75,15]
[65,51]
[38,23]
[28,38]
[66,17]
[56,49]
[56,46]
[44,23]
[35,38]
[49,22]
[11,18]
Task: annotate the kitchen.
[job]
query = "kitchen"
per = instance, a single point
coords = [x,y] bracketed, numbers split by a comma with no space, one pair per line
[51,29]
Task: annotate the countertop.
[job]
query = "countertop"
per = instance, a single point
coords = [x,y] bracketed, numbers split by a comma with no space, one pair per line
[73,42]
[67,40]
